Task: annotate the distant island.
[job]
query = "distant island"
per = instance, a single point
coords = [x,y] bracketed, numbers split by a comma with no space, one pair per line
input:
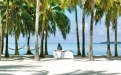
[110,43]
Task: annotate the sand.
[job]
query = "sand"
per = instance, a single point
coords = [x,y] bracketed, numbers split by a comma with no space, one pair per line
[25,65]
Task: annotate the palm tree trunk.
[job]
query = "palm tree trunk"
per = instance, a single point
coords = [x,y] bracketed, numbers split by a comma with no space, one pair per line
[16,46]
[108,44]
[0,35]
[46,50]
[16,40]
[77,33]
[28,45]
[7,20]
[116,52]
[2,44]
[91,32]
[36,57]
[41,49]
[83,31]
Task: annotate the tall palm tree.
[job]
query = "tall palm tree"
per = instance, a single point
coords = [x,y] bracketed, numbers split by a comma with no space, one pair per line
[18,20]
[91,58]
[77,33]
[116,5]
[36,57]
[107,23]
[7,24]
[101,8]
[43,27]
[28,15]
[15,11]
[0,33]
[2,10]
[83,28]
[74,6]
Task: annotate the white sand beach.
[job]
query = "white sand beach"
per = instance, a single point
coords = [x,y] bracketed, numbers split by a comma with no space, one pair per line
[24,65]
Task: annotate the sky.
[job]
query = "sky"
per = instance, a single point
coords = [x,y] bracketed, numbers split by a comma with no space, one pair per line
[99,31]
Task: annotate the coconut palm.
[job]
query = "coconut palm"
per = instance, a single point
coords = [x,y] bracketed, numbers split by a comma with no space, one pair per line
[36,57]
[7,24]
[116,5]
[73,5]
[43,26]
[107,23]
[77,33]
[2,9]
[37,4]
[101,8]
[83,28]
[14,15]
[91,58]
[18,16]
[27,16]
[0,33]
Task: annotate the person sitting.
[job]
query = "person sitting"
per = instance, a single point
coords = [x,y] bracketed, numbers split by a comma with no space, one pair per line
[59,47]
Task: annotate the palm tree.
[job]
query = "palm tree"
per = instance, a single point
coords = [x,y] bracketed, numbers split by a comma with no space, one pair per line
[83,29]
[0,33]
[15,10]
[37,3]
[36,57]
[7,20]
[116,5]
[74,6]
[77,33]
[2,10]
[91,58]
[101,8]
[28,15]
[18,18]
[43,27]
[107,23]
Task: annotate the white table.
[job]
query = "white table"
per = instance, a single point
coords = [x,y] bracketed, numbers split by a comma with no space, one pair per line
[63,54]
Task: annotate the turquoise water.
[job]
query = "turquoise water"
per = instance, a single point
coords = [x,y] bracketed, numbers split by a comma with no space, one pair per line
[98,49]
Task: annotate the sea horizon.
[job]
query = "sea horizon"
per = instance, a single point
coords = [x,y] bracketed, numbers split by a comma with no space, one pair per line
[98,49]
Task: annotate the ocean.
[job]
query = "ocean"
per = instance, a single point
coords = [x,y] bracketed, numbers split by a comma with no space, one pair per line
[98,49]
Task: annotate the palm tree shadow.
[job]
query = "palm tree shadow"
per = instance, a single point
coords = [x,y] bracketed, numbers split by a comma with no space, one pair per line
[90,72]
[17,57]
[10,69]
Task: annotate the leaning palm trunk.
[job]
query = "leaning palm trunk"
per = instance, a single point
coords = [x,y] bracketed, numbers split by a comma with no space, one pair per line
[108,44]
[77,33]
[83,31]
[7,20]
[0,35]
[91,32]
[36,57]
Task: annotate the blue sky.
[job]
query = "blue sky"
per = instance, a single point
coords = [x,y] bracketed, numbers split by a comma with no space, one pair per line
[99,32]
